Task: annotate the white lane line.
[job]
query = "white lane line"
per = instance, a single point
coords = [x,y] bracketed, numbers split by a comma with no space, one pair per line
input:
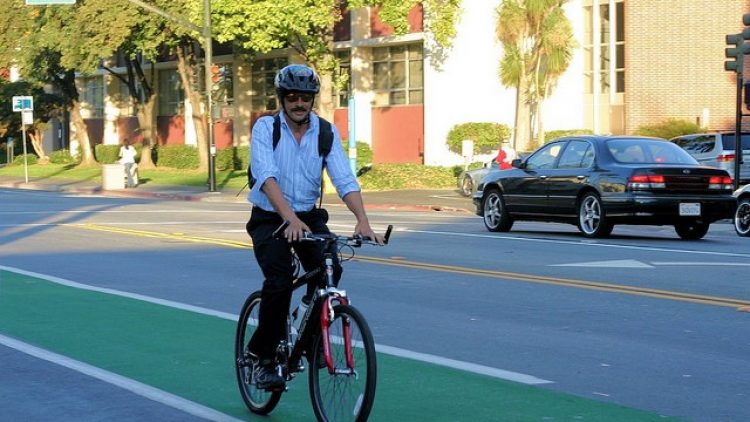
[390,350]
[143,390]
[464,366]
[594,243]
[616,263]
[720,264]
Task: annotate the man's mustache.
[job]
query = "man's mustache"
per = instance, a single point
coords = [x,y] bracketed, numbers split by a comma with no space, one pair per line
[299,109]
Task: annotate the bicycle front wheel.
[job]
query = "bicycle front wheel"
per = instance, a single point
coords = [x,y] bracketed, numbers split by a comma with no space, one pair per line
[348,393]
[257,400]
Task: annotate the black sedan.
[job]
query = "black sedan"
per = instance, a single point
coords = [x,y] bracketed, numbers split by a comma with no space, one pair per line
[596,182]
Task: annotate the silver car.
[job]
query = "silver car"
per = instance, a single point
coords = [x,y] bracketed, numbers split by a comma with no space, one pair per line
[468,180]
[716,149]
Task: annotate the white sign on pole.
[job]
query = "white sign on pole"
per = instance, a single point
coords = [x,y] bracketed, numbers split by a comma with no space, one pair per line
[467,148]
[23,103]
[27,117]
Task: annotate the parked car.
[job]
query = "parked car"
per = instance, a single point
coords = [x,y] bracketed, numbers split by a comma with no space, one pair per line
[717,149]
[596,182]
[742,214]
[468,180]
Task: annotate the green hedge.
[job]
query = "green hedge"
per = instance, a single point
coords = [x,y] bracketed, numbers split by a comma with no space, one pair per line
[177,156]
[486,136]
[31,159]
[61,156]
[108,154]
[554,134]
[669,128]
[234,158]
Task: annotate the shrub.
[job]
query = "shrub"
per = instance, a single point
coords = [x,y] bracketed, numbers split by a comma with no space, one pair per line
[554,134]
[234,158]
[108,154]
[30,159]
[61,156]
[486,136]
[407,176]
[177,156]
[669,128]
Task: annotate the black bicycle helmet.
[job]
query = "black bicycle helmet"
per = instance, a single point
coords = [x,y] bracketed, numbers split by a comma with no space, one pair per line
[296,77]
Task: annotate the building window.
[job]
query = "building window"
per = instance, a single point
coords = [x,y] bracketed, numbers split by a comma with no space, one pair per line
[264,92]
[609,48]
[171,94]
[341,96]
[398,75]
[124,100]
[92,96]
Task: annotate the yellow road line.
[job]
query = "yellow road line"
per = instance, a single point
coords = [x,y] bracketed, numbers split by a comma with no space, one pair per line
[739,304]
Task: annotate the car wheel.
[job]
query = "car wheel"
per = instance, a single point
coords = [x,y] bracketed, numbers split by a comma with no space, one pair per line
[467,186]
[692,230]
[742,217]
[496,217]
[591,219]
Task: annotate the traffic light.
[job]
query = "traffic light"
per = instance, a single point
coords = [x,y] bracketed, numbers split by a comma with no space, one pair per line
[736,52]
[216,73]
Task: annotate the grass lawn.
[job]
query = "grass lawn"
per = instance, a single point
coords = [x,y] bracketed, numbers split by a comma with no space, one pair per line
[379,177]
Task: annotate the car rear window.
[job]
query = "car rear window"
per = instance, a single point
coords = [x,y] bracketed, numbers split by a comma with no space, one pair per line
[644,151]
[699,144]
[727,141]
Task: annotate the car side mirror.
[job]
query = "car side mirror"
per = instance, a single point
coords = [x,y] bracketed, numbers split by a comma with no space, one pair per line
[517,163]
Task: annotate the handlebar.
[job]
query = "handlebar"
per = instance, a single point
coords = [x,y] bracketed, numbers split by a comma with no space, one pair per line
[355,240]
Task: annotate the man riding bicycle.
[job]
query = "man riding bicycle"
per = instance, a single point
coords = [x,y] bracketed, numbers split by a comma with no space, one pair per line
[288,180]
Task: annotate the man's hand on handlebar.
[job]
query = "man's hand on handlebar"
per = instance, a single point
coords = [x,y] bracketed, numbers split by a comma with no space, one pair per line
[295,230]
[363,229]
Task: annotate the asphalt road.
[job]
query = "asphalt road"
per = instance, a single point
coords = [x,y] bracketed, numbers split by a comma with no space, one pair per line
[641,320]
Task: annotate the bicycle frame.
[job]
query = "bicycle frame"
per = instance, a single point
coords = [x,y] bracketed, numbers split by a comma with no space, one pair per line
[324,299]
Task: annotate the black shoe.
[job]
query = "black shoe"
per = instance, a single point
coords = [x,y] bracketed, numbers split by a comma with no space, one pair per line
[267,378]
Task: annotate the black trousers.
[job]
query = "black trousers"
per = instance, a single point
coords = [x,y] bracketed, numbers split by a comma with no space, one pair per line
[274,257]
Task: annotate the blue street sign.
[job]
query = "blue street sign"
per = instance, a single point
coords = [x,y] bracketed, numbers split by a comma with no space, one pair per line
[23,103]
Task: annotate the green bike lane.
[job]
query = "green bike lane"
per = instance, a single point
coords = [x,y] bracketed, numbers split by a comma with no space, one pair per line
[190,354]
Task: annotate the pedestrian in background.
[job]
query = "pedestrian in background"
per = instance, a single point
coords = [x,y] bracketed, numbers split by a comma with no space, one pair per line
[127,159]
[505,156]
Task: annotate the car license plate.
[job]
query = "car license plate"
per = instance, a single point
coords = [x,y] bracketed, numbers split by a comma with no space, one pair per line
[690,208]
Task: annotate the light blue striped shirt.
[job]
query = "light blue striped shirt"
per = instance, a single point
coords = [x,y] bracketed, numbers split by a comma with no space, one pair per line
[296,167]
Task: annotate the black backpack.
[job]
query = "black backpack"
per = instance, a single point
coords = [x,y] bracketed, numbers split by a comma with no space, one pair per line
[325,142]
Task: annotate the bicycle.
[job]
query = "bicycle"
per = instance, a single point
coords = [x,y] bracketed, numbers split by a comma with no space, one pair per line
[333,336]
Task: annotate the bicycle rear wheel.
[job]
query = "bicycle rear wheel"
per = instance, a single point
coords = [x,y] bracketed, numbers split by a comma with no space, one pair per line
[257,400]
[345,395]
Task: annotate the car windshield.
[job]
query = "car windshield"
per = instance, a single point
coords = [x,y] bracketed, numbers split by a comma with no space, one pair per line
[646,151]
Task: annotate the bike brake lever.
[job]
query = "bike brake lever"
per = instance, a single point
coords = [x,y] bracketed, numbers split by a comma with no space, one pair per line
[387,234]
[279,232]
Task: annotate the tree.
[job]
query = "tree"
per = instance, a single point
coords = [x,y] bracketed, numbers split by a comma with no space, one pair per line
[51,44]
[538,43]
[45,106]
[306,26]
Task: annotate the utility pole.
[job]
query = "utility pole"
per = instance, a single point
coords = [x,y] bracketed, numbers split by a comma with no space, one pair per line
[736,51]
[206,34]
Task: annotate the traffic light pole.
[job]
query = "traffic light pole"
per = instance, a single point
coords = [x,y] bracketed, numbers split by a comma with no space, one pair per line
[738,132]
[208,53]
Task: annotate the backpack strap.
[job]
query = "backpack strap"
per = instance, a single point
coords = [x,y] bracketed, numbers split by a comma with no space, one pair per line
[276,130]
[325,143]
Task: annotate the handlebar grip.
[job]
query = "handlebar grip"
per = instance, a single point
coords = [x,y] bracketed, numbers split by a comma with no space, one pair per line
[387,234]
[279,232]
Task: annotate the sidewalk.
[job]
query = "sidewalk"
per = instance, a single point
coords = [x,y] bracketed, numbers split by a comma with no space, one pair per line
[443,200]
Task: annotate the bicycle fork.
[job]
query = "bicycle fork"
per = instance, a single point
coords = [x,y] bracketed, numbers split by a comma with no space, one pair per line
[326,317]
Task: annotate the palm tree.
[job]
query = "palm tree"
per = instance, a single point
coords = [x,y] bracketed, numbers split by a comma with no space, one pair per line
[538,42]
